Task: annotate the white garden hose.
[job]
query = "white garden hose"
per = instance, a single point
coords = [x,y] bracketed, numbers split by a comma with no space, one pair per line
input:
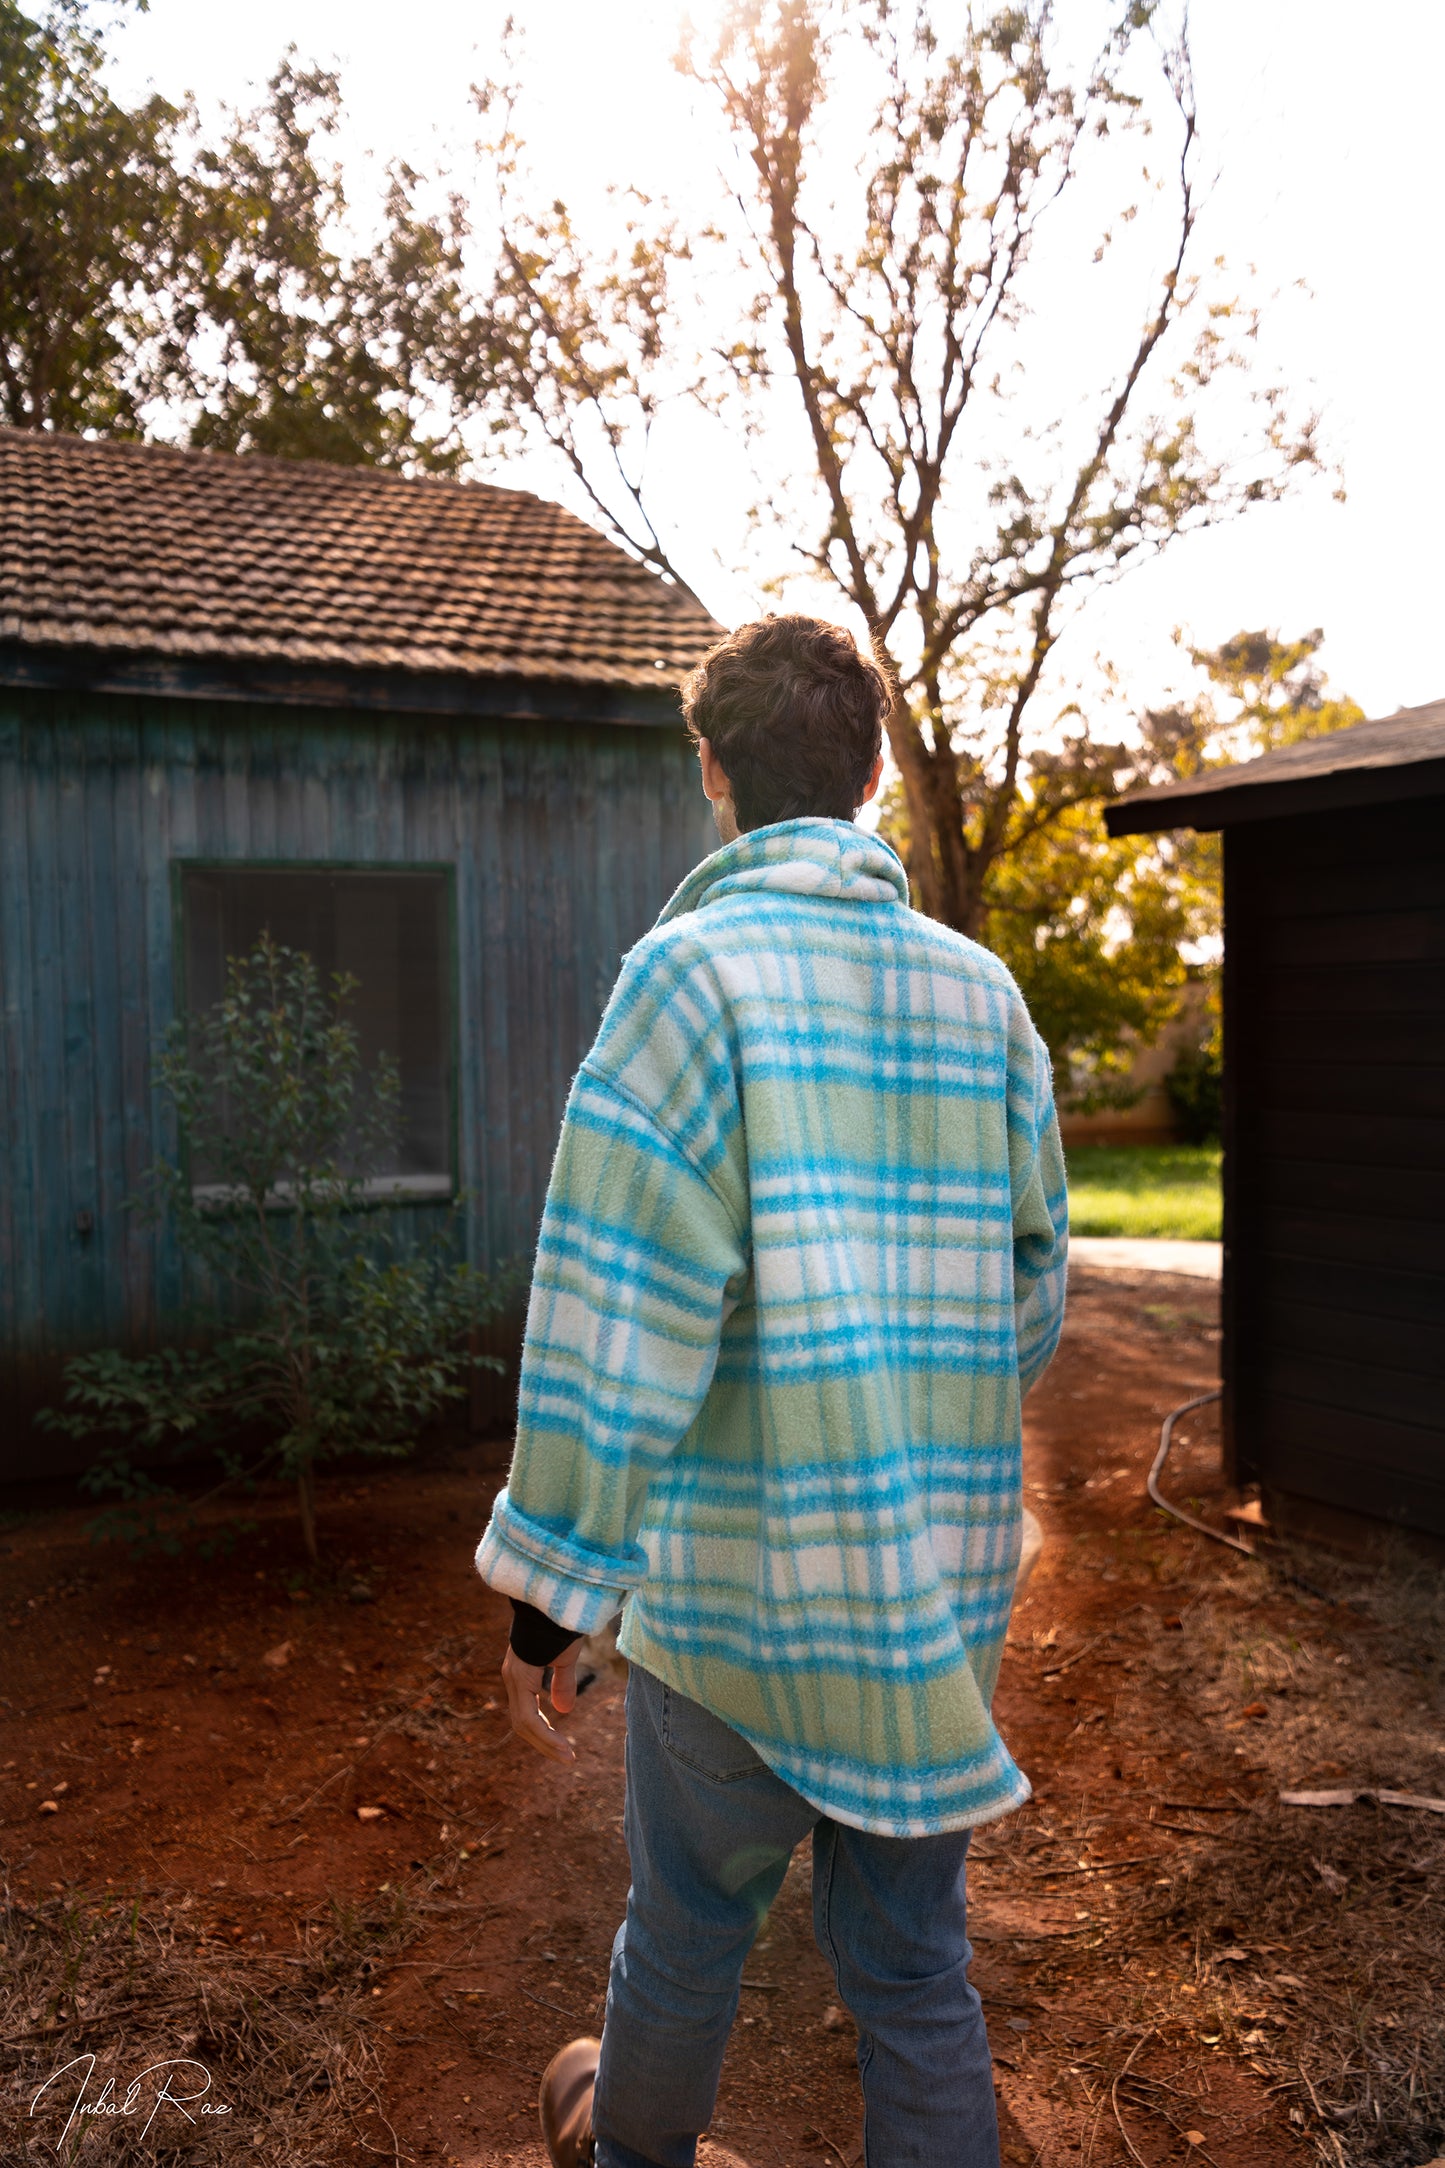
[1166,1439]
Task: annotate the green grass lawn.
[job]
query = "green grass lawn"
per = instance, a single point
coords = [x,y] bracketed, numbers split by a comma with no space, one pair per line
[1169,1190]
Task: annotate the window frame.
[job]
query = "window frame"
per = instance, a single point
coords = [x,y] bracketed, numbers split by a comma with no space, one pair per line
[381,1190]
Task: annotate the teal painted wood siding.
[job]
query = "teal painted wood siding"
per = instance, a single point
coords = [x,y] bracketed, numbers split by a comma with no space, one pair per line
[564,841]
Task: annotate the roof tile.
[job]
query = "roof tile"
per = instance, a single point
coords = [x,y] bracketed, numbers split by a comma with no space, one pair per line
[146,549]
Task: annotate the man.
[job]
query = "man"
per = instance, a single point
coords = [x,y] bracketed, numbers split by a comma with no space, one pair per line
[803,1251]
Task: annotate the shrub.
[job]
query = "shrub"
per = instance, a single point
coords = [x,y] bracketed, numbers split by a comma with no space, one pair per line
[329,1337]
[1195,1089]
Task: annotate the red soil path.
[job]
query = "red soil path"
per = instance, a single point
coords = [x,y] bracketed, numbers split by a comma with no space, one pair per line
[199,1760]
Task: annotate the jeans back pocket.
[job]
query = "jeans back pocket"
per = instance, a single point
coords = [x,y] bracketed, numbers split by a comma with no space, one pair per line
[702,1741]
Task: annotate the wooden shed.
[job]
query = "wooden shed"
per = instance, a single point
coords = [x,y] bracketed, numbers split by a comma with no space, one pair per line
[1334,1139]
[427,730]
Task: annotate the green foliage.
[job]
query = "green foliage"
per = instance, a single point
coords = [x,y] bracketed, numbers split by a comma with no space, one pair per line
[89,209]
[1098,932]
[1260,692]
[1194,1086]
[1147,1191]
[333,1338]
[1091,929]
[150,277]
[1277,691]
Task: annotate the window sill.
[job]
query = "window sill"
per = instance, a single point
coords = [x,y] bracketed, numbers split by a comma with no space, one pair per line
[378,1189]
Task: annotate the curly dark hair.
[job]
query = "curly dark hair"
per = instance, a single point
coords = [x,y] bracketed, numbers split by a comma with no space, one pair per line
[794,714]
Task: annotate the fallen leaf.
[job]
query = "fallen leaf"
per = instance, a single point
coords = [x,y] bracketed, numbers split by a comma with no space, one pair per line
[370,1814]
[1232,1957]
[441,2067]
[279,1657]
[1254,1708]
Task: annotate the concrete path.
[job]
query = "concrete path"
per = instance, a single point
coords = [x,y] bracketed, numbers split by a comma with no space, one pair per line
[1125,1253]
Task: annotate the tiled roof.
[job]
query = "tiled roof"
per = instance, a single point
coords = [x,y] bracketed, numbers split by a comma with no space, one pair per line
[144,550]
[1410,738]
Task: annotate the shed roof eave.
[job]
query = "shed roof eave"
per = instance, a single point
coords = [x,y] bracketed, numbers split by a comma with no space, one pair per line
[506,695]
[1151,812]
[1395,757]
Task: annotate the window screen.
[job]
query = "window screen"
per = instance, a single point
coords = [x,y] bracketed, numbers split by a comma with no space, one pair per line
[389,932]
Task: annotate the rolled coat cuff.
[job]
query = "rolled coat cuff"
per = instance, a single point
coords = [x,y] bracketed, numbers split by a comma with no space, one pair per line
[577,1587]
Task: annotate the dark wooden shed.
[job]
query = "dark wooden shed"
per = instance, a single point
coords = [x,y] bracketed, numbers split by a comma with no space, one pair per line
[1334,1142]
[428,730]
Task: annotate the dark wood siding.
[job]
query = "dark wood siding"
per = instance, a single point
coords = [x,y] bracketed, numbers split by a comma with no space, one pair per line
[1335,1158]
[561,841]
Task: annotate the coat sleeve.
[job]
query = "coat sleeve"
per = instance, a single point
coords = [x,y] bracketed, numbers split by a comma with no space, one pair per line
[1040,1203]
[638,1262]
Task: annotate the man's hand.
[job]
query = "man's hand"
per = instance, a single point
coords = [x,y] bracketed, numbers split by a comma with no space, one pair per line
[524,1699]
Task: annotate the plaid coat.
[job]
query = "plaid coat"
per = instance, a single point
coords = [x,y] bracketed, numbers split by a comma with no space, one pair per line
[803,1251]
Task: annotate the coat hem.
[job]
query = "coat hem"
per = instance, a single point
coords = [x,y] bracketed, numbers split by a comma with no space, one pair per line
[637,1645]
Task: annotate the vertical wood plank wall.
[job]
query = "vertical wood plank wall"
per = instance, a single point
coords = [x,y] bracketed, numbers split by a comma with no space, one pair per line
[565,840]
[1335,1158]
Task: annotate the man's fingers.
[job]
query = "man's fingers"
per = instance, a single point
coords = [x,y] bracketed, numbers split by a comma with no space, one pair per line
[564,1681]
[531,1725]
[524,1689]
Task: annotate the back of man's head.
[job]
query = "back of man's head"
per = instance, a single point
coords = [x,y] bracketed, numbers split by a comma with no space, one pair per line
[794,716]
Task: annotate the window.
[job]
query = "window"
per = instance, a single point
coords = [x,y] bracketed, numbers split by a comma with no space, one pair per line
[389,931]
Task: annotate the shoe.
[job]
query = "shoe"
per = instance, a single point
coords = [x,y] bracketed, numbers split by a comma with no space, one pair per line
[565,2103]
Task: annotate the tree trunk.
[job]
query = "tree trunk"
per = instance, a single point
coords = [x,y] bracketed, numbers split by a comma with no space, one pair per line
[306,1498]
[946,876]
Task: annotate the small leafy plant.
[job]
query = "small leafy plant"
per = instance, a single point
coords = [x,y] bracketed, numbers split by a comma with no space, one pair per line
[1195,1089]
[324,1335]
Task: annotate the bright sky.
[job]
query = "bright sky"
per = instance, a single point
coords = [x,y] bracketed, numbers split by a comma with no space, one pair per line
[1321,123]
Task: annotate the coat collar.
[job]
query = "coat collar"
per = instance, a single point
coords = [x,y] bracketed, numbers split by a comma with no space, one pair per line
[830,859]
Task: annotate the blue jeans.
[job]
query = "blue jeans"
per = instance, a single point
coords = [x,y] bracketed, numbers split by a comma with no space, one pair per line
[710,1831]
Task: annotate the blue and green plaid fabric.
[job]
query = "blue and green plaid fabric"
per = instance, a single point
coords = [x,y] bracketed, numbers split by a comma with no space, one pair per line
[803,1250]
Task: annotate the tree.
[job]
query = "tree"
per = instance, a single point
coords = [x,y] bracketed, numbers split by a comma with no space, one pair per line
[885,318]
[320,355]
[151,280]
[1092,930]
[89,213]
[326,1337]
[1277,692]
[1103,935]
[1260,692]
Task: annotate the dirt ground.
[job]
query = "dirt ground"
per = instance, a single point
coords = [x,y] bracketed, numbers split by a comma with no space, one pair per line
[272,1822]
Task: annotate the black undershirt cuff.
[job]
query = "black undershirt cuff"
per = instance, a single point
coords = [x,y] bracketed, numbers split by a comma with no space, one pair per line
[537,1639]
